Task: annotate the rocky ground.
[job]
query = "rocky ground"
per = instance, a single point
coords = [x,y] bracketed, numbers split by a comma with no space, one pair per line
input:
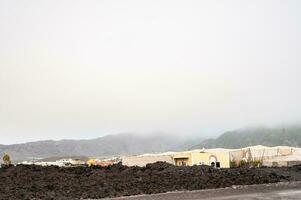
[36,182]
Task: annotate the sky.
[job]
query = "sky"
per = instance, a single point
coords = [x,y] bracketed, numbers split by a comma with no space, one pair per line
[83,69]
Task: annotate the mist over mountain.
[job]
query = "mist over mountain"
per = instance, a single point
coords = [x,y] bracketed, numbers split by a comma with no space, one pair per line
[133,144]
[110,145]
[288,136]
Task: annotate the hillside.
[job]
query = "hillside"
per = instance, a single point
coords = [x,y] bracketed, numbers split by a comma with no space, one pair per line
[121,144]
[131,144]
[289,136]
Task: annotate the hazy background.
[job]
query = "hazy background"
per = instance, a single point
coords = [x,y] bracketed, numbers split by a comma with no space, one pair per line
[83,69]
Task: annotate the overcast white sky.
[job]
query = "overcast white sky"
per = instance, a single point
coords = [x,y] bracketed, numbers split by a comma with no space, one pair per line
[82,69]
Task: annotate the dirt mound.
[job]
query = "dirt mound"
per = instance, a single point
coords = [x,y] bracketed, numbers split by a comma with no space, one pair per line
[36,182]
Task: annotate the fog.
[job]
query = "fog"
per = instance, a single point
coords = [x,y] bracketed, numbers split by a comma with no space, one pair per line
[84,69]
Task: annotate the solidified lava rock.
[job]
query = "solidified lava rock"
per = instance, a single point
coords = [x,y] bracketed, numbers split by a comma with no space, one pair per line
[36,182]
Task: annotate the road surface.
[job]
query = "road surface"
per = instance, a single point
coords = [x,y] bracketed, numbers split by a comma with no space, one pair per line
[278,191]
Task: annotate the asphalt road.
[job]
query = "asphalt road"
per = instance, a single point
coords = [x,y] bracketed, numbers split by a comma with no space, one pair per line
[278,191]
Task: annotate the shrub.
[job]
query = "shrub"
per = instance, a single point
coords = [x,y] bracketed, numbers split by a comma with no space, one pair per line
[243,163]
[255,163]
[233,164]
[6,160]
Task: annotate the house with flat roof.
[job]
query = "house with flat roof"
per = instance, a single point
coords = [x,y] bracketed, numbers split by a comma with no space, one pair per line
[218,159]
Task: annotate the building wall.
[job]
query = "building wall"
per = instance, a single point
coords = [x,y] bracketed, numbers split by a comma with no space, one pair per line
[181,161]
[183,157]
[143,160]
[275,163]
[197,158]
[204,158]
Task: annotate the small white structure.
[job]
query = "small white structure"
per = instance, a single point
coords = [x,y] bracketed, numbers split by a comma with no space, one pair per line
[60,163]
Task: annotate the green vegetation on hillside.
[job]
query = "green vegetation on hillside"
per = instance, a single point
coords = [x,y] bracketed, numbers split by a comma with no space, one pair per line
[289,136]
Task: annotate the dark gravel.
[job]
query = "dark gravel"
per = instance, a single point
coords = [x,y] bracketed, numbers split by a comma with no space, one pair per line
[36,182]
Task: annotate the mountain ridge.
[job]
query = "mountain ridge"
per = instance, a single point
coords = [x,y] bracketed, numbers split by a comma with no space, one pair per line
[288,136]
[106,146]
